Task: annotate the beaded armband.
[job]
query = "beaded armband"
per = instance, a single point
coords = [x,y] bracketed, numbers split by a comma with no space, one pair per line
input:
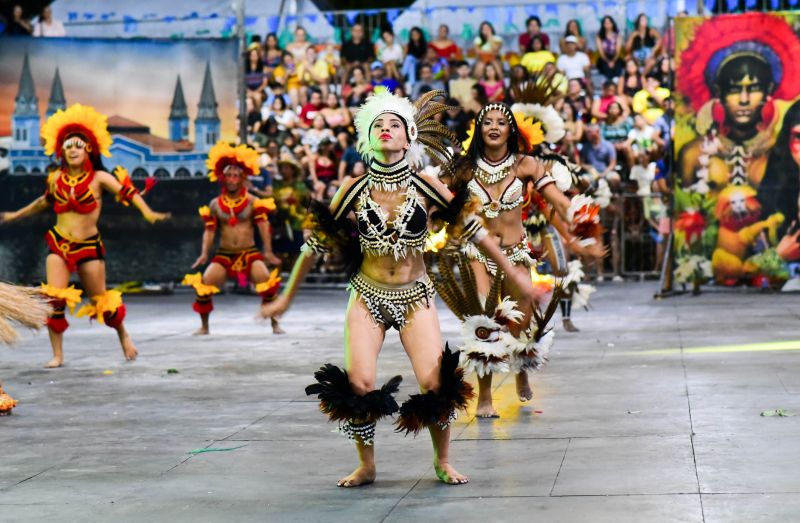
[128,191]
[473,230]
[262,208]
[542,182]
[314,245]
[209,219]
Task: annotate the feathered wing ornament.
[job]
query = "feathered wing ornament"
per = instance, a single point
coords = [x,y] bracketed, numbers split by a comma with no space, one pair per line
[531,349]
[484,320]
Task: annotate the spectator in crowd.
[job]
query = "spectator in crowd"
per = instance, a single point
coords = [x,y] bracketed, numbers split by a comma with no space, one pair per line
[388,51]
[416,50]
[336,116]
[287,79]
[608,96]
[487,47]
[642,138]
[270,131]
[493,84]
[644,43]
[631,81]
[598,156]
[378,77]
[261,183]
[47,26]
[444,46]
[311,109]
[460,87]
[324,169]
[439,66]
[426,82]
[18,25]
[534,29]
[299,45]
[663,70]
[517,81]
[574,132]
[357,51]
[574,63]
[350,156]
[456,119]
[254,78]
[253,110]
[536,55]
[573,29]
[272,53]
[554,77]
[649,102]
[315,71]
[665,125]
[318,132]
[615,128]
[355,91]
[577,97]
[285,118]
[609,49]
[477,101]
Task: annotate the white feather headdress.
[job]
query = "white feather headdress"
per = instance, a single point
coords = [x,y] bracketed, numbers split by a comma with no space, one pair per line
[425,135]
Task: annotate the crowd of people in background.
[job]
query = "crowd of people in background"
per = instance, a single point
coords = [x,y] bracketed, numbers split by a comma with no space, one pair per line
[613,95]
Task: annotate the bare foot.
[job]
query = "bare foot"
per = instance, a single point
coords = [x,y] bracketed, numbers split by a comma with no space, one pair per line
[363,475]
[128,348]
[485,409]
[54,363]
[523,387]
[448,475]
[202,331]
[276,327]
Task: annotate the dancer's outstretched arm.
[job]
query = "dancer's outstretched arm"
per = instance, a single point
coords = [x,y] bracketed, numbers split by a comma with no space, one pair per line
[36,206]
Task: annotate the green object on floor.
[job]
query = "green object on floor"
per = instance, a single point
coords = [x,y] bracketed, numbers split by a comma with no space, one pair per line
[783,413]
[202,451]
[172,371]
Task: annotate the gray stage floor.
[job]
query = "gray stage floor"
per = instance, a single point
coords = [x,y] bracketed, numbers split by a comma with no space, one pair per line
[635,419]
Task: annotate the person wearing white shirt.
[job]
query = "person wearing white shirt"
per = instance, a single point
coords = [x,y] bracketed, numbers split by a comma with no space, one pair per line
[46,26]
[573,63]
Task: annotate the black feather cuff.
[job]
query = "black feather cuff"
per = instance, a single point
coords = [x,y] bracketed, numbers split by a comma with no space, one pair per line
[340,403]
[437,408]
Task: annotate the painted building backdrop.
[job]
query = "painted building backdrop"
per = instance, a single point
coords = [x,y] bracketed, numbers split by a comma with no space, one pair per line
[737,148]
[167,103]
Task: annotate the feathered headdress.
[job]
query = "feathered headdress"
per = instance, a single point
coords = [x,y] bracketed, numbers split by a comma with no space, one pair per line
[80,120]
[533,108]
[717,40]
[425,135]
[223,154]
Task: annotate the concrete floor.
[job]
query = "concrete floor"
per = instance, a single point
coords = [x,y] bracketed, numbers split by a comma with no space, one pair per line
[619,430]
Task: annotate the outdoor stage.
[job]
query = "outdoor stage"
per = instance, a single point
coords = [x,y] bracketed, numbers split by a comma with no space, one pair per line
[635,419]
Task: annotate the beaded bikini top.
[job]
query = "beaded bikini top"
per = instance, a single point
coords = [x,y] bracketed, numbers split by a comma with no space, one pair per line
[71,194]
[407,230]
[487,174]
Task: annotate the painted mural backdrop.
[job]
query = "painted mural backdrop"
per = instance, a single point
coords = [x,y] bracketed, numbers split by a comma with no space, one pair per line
[167,103]
[737,149]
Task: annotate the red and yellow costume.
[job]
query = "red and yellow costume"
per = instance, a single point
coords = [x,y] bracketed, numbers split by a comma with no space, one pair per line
[230,210]
[71,194]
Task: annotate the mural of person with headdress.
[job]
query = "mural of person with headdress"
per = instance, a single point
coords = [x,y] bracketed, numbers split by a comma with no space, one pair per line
[731,74]
[735,74]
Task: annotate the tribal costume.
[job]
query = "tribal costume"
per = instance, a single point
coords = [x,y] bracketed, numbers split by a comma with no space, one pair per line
[374,234]
[230,210]
[83,127]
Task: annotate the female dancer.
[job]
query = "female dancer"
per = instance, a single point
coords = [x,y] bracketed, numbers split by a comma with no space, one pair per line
[78,136]
[390,287]
[496,169]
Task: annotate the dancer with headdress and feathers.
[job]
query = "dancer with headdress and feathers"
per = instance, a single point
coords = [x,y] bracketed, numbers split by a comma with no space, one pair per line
[236,213]
[389,286]
[502,157]
[19,306]
[78,137]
